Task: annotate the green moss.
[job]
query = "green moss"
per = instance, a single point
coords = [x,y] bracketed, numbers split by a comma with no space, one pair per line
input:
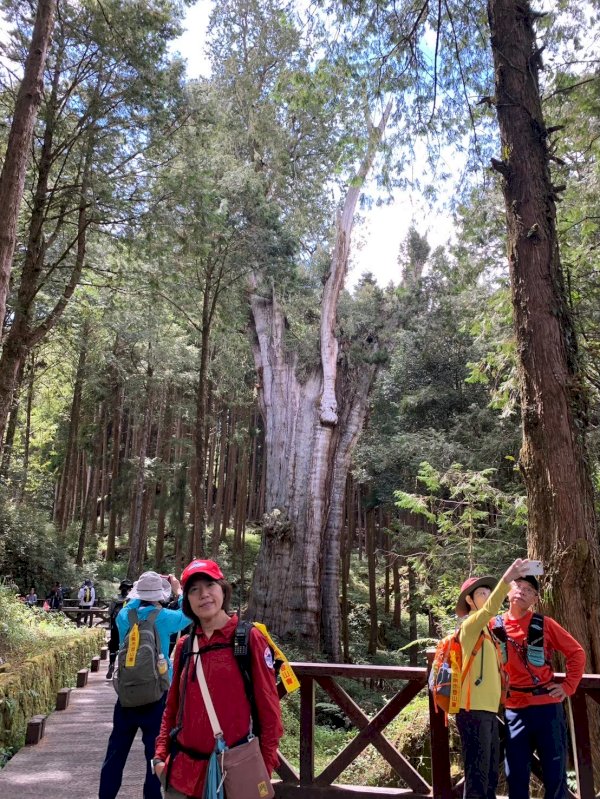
[32,687]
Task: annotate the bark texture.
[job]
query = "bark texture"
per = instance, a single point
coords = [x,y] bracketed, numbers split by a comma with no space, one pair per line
[310,430]
[14,167]
[562,524]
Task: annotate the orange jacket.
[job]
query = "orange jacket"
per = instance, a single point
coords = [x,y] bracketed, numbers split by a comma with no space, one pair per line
[556,639]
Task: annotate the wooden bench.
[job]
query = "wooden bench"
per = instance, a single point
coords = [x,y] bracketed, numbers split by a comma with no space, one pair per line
[62,698]
[104,653]
[95,665]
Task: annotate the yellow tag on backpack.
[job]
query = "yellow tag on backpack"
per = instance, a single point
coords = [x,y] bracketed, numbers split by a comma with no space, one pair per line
[134,642]
[288,678]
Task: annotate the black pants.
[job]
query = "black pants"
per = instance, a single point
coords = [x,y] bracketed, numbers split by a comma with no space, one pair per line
[481,752]
[540,728]
[126,722]
[84,618]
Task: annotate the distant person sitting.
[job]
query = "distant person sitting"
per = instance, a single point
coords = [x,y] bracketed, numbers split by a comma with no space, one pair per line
[55,597]
[86,598]
[31,598]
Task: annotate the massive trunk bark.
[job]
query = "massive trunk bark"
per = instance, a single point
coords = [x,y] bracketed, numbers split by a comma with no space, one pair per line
[562,529]
[14,167]
[308,443]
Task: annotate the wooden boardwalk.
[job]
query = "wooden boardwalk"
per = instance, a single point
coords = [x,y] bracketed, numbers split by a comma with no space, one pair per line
[66,763]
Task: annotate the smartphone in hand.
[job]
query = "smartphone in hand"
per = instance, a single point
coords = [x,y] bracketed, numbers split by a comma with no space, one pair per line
[536,568]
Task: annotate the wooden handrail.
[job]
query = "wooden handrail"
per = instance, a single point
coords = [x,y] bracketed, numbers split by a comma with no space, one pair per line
[307,784]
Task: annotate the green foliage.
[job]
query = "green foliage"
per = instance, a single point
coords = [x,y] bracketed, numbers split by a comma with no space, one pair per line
[30,553]
[474,527]
[44,652]
[25,630]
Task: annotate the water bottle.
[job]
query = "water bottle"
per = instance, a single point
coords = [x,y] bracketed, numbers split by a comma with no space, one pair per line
[162,665]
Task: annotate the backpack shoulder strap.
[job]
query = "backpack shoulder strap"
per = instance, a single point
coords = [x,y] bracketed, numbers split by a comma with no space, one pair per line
[535,633]
[472,656]
[243,657]
[133,617]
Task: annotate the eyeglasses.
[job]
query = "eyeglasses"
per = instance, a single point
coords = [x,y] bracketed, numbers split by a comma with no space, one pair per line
[527,590]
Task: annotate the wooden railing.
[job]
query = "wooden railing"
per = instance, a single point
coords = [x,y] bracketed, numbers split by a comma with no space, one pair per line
[306,783]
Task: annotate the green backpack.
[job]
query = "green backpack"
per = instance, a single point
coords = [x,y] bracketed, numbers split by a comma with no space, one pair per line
[142,673]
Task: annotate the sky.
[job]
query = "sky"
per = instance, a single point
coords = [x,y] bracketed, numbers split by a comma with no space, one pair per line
[378,235]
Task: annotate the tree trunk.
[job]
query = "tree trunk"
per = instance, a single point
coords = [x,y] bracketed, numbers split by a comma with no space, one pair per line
[65,499]
[370,536]
[117,420]
[27,436]
[397,619]
[306,473]
[345,558]
[28,326]
[230,471]
[103,486]
[218,512]
[14,167]
[386,590]
[137,537]
[197,547]
[165,459]
[412,610]
[11,427]
[90,505]
[562,529]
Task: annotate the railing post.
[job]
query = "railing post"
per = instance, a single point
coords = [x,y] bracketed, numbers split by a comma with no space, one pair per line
[580,739]
[307,730]
[440,746]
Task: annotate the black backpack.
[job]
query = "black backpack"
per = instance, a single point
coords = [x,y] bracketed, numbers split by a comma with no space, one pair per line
[241,653]
[531,654]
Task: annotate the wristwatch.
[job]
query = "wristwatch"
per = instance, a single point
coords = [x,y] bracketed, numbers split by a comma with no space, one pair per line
[154,763]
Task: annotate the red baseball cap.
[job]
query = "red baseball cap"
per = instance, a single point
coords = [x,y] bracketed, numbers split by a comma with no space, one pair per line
[208,567]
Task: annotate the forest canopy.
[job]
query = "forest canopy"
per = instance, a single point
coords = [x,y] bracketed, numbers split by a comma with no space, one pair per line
[183,361]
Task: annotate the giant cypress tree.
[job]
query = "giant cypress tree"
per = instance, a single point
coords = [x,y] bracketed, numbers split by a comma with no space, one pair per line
[302,132]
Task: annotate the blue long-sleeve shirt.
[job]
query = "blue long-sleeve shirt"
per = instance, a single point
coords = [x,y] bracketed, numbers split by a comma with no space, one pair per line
[167,623]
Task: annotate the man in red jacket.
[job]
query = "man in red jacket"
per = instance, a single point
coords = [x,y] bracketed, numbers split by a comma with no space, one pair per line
[535,719]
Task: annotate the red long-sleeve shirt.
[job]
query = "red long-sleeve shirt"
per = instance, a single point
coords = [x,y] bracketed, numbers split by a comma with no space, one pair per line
[556,639]
[226,687]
